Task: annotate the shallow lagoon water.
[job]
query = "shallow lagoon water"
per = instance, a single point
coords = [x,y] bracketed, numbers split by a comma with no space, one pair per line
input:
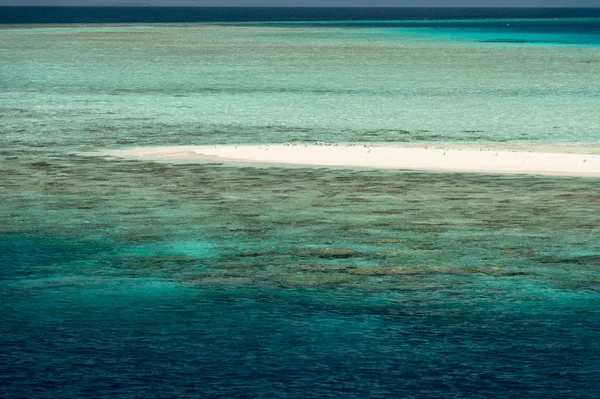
[125,277]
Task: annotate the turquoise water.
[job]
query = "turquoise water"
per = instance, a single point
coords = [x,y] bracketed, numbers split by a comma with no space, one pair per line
[123,278]
[566,31]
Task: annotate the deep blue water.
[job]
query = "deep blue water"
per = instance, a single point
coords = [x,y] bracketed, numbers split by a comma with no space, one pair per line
[102,336]
[491,25]
[86,15]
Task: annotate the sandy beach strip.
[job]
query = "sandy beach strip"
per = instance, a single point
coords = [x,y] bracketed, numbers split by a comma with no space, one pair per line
[424,158]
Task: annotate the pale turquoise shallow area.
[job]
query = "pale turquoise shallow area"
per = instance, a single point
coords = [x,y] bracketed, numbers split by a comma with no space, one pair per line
[195,84]
[211,279]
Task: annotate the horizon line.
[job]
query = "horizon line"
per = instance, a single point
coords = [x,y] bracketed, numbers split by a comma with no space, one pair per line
[295,6]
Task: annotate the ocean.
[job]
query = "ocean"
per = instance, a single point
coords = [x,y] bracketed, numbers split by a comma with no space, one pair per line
[124,278]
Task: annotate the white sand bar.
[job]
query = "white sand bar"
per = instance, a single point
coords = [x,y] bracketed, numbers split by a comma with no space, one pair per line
[470,159]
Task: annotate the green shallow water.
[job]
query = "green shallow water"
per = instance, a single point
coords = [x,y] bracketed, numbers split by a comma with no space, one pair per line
[242,279]
[201,224]
[196,84]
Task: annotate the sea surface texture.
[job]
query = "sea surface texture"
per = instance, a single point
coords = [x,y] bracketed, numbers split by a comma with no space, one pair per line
[123,278]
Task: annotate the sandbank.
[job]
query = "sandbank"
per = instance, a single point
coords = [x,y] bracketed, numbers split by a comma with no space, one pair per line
[431,157]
